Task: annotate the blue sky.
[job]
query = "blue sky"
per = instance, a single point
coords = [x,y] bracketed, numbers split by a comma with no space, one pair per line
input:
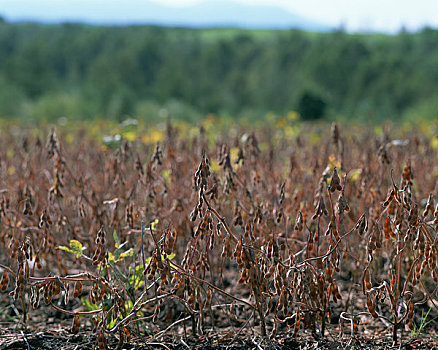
[353,15]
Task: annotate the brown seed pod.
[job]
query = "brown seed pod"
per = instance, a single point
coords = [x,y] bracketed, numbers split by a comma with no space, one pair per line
[244,276]
[101,341]
[121,339]
[371,307]
[238,250]
[342,204]
[96,255]
[310,242]
[75,326]
[355,324]
[362,225]
[207,302]
[387,228]
[191,300]
[382,153]
[335,292]
[38,262]
[418,271]
[35,301]
[389,198]
[367,280]
[299,222]
[56,288]
[92,297]
[4,282]
[297,323]
[435,215]
[407,173]
[78,289]
[429,206]
[279,216]
[413,216]
[335,133]
[48,294]
[27,208]
[127,334]
[392,208]
[411,310]
[320,208]
[335,182]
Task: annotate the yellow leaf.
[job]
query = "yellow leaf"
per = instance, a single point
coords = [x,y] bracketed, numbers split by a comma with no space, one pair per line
[434,143]
[166,175]
[354,175]
[152,137]
[130,135]
[214,166]
[333,162]
[292,116]
[129,252]
[154,223]
[77,247]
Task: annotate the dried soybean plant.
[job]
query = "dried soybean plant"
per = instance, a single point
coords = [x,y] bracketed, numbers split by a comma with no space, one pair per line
[410,239]
[256,230]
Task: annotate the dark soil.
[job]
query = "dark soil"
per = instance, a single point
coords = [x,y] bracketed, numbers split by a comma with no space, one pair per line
[43,340]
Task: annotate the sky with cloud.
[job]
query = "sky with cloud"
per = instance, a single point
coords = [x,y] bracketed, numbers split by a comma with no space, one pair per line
[378,15]
[353,15]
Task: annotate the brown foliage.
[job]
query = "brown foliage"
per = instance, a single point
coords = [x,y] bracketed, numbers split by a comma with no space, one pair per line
[246,229]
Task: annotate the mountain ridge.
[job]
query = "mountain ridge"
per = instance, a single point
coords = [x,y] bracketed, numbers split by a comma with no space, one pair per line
[209,13]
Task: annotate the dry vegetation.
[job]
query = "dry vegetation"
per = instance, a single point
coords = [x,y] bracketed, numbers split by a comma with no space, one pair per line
[252,238]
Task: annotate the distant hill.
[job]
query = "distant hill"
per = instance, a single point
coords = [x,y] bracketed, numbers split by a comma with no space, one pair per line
[210,13]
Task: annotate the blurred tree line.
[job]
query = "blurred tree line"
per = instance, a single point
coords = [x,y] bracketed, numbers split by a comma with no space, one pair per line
[81,71]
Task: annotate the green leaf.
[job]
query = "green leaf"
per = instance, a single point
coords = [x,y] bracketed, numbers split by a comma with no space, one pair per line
[117,255]
[110,322]
[88,305]
[116,240]
[108,302]
[137,279]
[129,306]
[117,252]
